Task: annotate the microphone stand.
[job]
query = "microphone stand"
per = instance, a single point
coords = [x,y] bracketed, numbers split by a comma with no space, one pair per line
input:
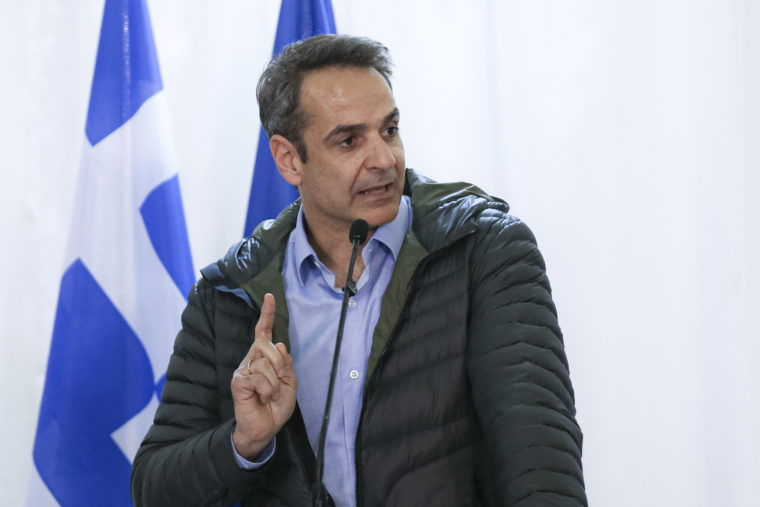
[357,235]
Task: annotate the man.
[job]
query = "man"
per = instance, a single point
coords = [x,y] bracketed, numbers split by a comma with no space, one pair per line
[452,386]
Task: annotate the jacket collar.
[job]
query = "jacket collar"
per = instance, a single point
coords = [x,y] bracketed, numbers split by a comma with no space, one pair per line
[443,213]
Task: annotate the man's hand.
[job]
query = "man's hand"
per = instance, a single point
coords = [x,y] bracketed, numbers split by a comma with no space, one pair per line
[263,388]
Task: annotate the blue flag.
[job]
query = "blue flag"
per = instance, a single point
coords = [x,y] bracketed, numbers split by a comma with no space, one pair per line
[127,272]
[299,19]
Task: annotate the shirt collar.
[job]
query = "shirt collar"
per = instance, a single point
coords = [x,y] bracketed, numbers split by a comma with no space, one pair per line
[391,235]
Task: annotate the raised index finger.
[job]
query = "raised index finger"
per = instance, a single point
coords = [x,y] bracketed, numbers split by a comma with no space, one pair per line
[263,330]
[262,340]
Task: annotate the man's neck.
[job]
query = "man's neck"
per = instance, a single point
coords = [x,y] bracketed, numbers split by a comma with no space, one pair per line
[334,251]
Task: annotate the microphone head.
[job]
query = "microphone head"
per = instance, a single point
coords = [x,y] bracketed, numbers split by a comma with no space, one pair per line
[358,232]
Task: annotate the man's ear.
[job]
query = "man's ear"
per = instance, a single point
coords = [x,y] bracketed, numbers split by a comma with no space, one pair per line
[287,159]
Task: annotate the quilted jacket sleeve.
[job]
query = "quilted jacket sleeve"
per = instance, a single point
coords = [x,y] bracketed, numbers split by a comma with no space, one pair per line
[186,458]
[519,373]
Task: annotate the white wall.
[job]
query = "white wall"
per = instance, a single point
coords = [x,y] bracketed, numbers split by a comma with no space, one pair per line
[627,134]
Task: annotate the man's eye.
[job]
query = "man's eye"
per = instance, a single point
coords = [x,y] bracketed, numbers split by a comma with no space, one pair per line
[391,131]
[348,141]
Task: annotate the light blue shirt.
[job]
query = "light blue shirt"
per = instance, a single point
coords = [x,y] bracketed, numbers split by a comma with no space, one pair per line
[314,308]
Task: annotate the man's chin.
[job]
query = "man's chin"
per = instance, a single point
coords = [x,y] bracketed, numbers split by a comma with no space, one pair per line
[378,217]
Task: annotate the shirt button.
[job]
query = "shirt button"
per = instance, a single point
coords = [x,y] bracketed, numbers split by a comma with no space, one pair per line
[351,302]
[354,374]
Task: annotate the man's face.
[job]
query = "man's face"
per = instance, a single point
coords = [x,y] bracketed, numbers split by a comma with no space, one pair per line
[355,157]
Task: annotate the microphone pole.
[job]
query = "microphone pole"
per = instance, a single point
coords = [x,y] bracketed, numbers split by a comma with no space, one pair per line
[357,236]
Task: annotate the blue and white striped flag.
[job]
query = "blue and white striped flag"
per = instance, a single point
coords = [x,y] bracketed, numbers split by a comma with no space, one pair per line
[128,270]
[299,19]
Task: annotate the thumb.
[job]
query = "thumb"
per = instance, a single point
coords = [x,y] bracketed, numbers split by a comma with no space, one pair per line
[287,370]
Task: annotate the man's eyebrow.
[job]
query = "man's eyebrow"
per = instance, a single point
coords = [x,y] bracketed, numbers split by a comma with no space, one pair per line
[345,129]
[393,115]
[358,127]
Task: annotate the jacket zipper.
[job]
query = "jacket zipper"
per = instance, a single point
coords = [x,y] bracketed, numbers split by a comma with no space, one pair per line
[356,461]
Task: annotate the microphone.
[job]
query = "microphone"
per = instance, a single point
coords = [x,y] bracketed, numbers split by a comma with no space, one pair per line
[357,235]
[358,232]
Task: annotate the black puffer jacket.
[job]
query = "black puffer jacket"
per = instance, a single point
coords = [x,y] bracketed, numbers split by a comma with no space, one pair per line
[467,400]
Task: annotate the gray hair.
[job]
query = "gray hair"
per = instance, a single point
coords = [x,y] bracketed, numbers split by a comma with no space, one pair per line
[279,88]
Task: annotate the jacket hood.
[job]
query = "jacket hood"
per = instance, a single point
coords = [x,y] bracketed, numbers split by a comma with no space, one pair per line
[446,212]
[443,213]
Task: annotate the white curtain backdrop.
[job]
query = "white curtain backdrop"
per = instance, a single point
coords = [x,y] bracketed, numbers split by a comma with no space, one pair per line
[625,133]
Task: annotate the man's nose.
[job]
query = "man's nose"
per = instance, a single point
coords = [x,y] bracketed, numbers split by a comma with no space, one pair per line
[379,154]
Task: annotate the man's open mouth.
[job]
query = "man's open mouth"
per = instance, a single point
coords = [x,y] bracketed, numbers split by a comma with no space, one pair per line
[376,190]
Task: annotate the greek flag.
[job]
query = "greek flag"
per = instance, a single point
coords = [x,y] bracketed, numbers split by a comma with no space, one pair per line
[127,272]
[299,19]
